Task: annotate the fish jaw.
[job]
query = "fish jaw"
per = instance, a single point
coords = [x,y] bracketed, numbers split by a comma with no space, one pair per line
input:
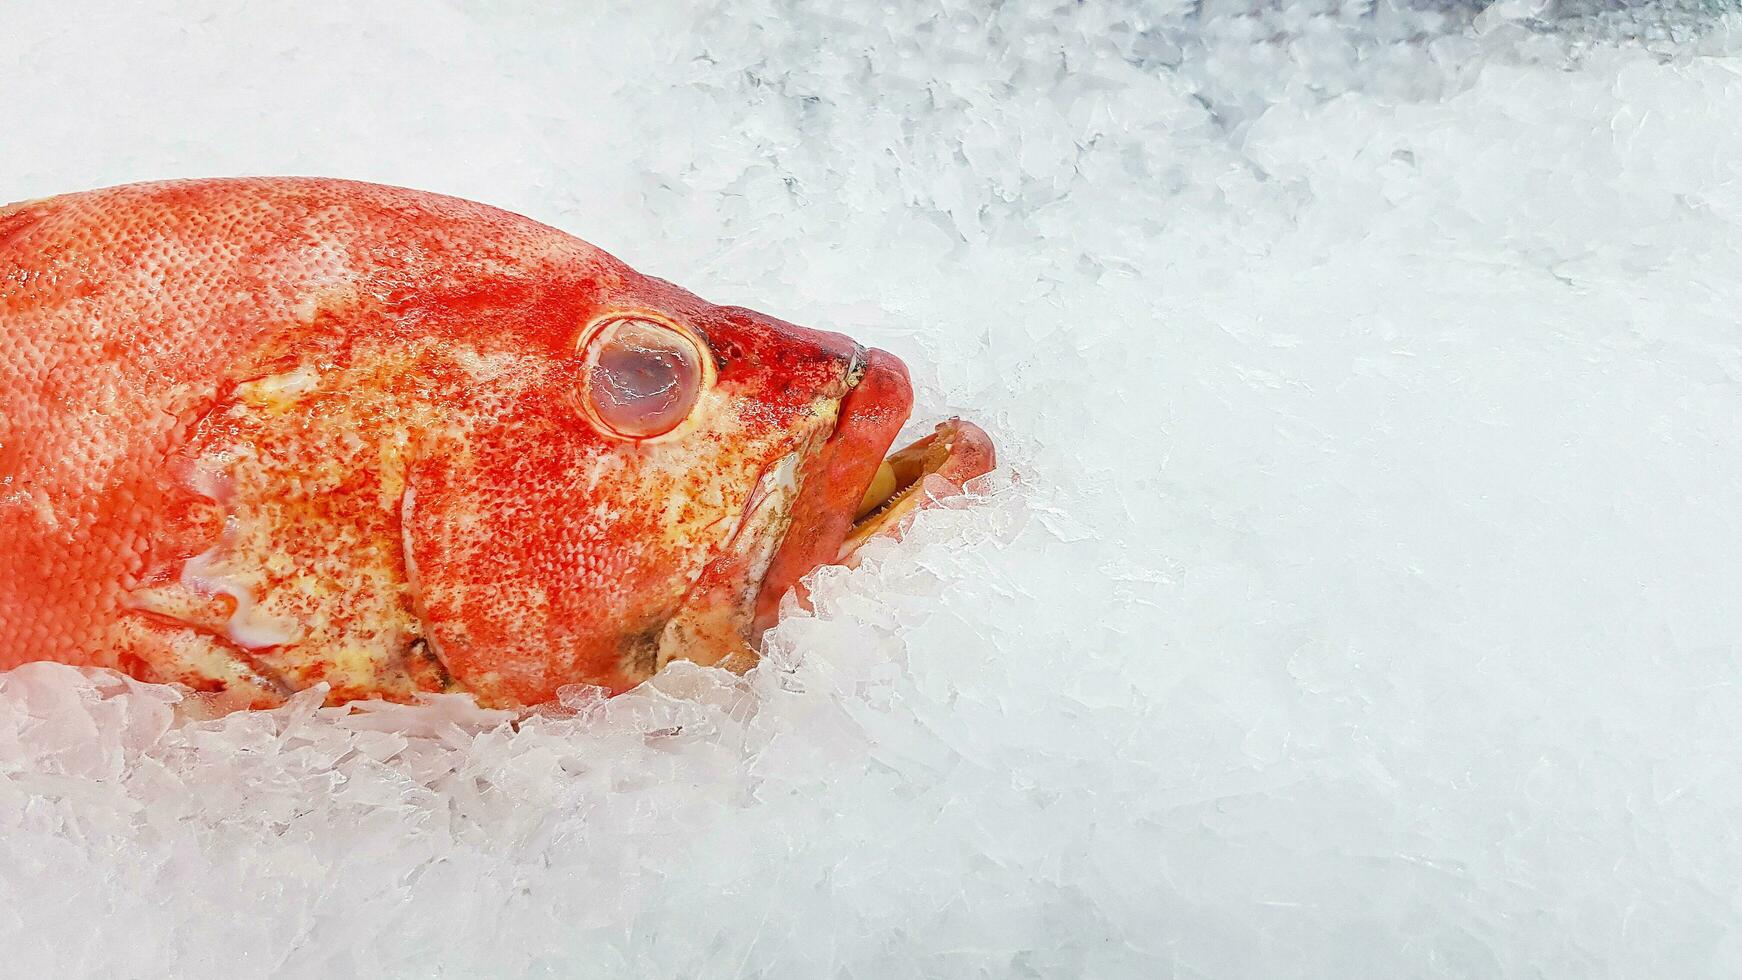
[836,477]
[930,469]
[851,493]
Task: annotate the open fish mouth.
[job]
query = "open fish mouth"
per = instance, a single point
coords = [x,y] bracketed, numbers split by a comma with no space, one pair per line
[928,469]
[853,489]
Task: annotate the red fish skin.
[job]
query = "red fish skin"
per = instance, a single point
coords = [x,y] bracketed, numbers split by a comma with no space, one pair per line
[258,434]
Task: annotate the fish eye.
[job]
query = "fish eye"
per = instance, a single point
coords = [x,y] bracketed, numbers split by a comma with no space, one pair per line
[642,379]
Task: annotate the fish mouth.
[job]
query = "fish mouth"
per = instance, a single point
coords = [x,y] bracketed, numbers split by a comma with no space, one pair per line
[928,469]
[852,489]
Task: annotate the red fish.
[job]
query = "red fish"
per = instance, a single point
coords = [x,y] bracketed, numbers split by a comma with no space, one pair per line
[262,434]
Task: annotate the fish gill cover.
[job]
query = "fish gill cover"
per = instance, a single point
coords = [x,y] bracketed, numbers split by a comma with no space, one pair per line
[1358,598]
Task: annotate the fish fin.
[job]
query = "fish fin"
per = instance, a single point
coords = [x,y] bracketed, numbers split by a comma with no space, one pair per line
[18,218]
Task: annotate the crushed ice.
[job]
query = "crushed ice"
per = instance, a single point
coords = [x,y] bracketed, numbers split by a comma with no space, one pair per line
[1360,599]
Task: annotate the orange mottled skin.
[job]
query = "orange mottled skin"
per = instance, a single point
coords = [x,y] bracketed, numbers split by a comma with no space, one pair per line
[261,434]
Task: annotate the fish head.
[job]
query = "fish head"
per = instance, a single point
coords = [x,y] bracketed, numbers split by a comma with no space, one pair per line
[636,480]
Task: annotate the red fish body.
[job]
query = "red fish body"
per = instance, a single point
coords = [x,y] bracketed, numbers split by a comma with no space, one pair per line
[261,434]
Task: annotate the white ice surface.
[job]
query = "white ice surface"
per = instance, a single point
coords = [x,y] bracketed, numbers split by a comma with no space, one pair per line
[1362,598]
